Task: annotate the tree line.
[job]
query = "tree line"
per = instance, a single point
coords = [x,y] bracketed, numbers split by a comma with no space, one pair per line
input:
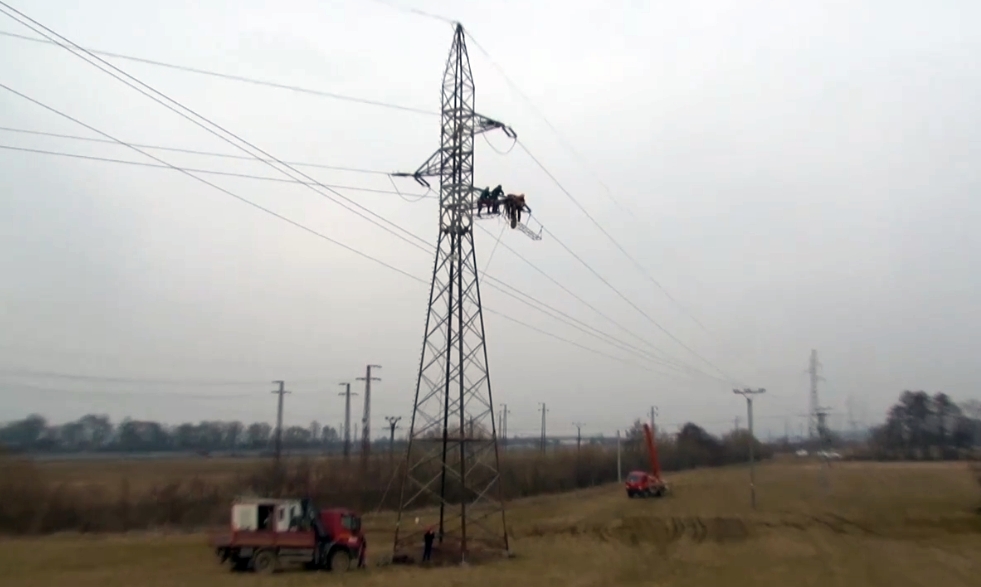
[97,433]
[924,426]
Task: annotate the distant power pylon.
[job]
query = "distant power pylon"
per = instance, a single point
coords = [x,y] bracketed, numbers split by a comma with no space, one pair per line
[452,456]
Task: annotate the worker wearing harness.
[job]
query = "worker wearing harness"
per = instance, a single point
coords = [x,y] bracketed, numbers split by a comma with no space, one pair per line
[490,199]
[514,205]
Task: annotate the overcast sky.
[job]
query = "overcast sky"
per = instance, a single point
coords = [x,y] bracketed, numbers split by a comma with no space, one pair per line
[796,175]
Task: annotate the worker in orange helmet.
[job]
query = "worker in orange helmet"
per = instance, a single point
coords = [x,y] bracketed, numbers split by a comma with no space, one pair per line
[427,541]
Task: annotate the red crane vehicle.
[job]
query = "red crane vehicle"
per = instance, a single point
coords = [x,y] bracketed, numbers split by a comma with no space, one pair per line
[642,483]
[268,534]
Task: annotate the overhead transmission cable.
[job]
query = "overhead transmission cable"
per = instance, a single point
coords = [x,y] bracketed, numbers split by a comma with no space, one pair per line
[609,193]
[71,47]
[93,52]
[166,165]
[189,151]
[232,77]
[139,380]
[568,145]
[290,221]
[208,171]
[577,297]
[197,119]
[215,186]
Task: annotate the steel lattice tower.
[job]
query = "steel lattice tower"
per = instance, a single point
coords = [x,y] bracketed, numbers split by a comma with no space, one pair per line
[452,461]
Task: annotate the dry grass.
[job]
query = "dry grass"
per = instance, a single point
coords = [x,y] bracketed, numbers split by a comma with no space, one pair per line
[869,524]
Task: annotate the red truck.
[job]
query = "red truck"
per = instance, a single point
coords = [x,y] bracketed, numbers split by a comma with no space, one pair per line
[642,483]
[268,534]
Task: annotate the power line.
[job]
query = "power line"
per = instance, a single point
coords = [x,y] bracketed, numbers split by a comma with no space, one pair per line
[416,11]
[217,187]
[634,306]
[68,46]
[602,336]
[568,145]
[286,219]
[108,379]
[590,306]
[190,151]
[227,76]
[206,171]
[562,139]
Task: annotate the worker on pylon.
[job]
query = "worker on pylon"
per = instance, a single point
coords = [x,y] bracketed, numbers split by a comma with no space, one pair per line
[514,204]
[490,199]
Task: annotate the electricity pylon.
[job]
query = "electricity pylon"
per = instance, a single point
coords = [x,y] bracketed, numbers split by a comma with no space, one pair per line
[452,459]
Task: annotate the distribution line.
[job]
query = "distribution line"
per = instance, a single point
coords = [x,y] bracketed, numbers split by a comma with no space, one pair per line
[565,141]
[592,307]
[277,215]
[231,77]
[370,102]
[107,379]
[602,336]
[173,106]
[594,332]
[215,186]
[634,306]
[517,90]
[189,151]
[207,171]
[191,170]
[68,45]
[605,232]
[65,44]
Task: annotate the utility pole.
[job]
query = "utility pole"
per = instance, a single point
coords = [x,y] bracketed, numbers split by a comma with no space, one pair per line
[578,426]
[393,422]
[347,418]
[748,394]
[619,467]
[504,425]
[813,425]
[544,411]
[279,419]
[654,414]
[366,418]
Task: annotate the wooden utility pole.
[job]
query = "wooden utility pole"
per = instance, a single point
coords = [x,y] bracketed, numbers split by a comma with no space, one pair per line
[347,419]
[279,419]
[544,411]
[366,418]
[748,394]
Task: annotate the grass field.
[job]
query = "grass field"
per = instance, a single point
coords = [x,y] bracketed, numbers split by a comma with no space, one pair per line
[871,524]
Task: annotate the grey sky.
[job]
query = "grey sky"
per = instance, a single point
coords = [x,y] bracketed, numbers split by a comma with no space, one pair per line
[800,175]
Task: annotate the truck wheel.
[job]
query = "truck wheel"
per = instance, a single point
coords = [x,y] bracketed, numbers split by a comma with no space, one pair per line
[631,494]
[340,561]
[264,562]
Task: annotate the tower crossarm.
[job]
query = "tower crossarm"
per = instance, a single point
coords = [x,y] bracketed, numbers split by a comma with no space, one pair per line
[432,168]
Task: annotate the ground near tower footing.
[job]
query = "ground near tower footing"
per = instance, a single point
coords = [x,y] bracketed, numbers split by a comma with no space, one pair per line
[449,554]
